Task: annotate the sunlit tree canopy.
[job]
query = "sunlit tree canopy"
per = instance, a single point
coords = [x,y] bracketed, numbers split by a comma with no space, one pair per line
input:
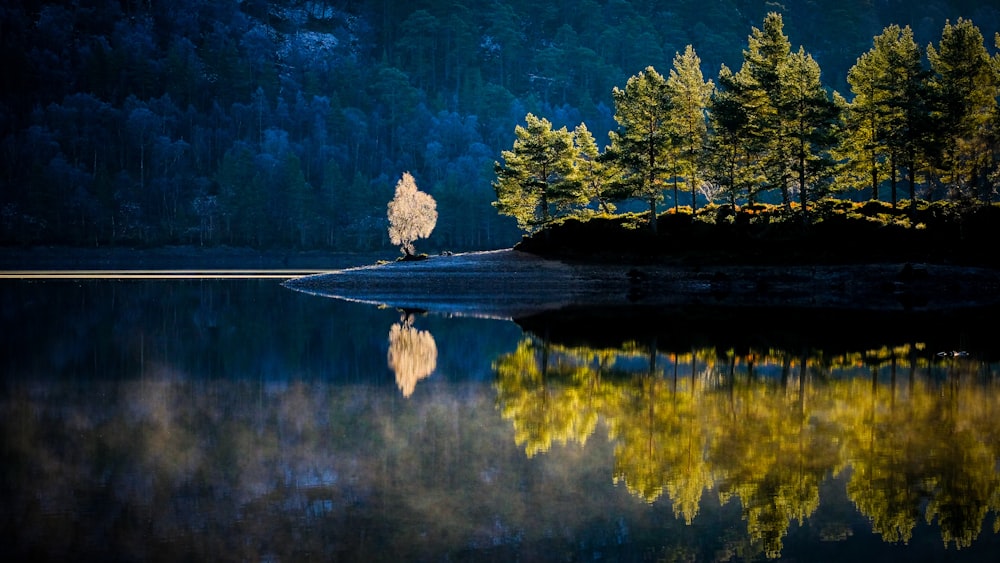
[412,214]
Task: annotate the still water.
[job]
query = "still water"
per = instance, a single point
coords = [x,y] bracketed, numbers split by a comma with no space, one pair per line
[237,420]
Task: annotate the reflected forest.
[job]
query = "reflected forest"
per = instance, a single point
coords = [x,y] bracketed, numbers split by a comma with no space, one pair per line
[286,124]
[913,433]
[191,418]
[188,419]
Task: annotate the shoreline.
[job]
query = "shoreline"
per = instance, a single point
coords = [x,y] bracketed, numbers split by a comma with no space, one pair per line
[511,283]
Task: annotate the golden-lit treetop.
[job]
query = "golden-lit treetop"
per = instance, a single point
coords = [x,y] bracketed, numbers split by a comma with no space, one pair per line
[412,214]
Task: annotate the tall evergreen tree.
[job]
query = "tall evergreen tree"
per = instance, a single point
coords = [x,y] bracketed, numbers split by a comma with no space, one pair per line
[641,145]
[886,121]
[768,49]
[810,116]
[591,172]
[735,142]
[964,86]
[905,105]
[862,148]
[993,177]
[537,174]
[690,94]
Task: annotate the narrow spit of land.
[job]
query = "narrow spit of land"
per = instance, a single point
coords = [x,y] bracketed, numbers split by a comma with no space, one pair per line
[512,284]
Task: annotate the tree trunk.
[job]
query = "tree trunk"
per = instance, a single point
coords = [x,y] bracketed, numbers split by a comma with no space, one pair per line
[545,206]
[652,214]
[892,179]
[676,198]
[874,169]
[694,195]
[803,196]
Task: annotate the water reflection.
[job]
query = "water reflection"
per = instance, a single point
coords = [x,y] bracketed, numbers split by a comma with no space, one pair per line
[412,354]
[916,435]
[237,420]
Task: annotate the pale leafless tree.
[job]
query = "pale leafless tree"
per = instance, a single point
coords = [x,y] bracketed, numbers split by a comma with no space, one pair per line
[412,214]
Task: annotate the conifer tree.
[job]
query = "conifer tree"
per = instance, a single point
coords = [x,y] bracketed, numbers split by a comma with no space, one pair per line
[641,145]
[590,170]
[536,177]
[863,147]
[735,144]
[690,94]
[886,124]
[964,86]
[907,130]
[810,116]
[767,50]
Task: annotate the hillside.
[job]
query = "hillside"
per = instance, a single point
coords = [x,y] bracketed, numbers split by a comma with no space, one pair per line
[286,123]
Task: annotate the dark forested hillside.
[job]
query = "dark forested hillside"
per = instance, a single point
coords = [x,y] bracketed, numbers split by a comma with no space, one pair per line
[287,123]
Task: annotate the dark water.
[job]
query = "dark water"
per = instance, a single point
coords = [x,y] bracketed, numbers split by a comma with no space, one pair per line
[236,420]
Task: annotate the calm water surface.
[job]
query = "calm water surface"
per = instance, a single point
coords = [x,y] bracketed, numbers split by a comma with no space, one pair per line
[237,420]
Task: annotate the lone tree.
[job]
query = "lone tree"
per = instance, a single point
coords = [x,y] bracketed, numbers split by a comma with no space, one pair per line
[412,214]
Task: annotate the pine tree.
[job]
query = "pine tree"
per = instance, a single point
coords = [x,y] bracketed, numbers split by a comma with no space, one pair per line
[641,146]
[737,143]
[907,130]
[690,94]
[774,118]
[886,125]
[767,50]
[964,86]
[810,116]
[590,170]
[536,178]
[863,148]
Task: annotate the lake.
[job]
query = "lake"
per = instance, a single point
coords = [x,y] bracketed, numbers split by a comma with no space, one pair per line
[236,419]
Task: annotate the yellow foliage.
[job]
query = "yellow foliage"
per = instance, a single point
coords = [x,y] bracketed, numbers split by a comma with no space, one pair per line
[916,446]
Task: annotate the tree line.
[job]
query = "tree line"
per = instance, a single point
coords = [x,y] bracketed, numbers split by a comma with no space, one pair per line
[771,131]
[286,123]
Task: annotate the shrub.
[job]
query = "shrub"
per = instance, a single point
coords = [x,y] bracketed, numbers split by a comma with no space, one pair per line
[680,210]
[876,208]
[828,206]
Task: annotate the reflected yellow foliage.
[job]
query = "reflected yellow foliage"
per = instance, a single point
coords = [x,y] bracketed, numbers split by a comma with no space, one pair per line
[412,355]
[548,401]
[917,432]
[660,443]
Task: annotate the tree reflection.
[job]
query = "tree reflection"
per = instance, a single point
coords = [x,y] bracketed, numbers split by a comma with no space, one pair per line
[884,433]
[549,398]
[660,440]
[918,434]
[412,354]
[962,461]
[773,447]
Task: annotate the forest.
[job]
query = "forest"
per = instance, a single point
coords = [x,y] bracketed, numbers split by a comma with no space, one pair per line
[286,124]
